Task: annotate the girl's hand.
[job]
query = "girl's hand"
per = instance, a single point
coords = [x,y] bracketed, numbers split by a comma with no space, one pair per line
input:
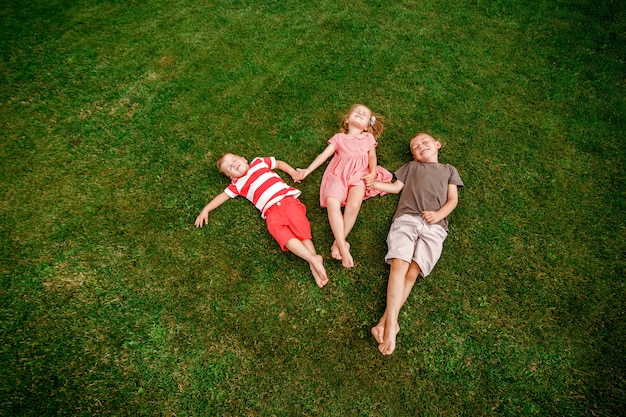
[301,174]
[297,175]
[369,180]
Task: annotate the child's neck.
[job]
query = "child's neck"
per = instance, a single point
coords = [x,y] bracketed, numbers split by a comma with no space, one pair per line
[354,131]
[434,160]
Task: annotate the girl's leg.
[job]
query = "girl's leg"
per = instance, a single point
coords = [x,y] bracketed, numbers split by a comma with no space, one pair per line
[335,218]
[305,250]
[350,213]
[352,208]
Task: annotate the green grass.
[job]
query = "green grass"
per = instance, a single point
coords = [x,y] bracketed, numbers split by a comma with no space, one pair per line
[112,116]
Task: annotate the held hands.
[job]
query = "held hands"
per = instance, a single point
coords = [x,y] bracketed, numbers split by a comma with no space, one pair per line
[369,180]
[297,176]
[300,175]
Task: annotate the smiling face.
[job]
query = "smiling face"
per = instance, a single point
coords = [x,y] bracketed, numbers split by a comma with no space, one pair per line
[234,166]
[424,148]
[359,118]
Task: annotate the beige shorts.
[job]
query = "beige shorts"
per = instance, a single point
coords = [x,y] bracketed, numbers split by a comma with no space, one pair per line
[410,238]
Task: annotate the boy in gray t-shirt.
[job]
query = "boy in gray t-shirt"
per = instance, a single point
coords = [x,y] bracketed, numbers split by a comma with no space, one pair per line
[419,228]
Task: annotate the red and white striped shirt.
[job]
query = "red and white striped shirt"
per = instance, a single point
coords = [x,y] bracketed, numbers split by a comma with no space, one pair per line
[262,186]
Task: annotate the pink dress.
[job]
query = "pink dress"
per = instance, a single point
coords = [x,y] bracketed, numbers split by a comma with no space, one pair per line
[348,166]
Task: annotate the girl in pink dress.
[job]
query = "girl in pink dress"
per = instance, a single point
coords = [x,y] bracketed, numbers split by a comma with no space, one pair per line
[343,185]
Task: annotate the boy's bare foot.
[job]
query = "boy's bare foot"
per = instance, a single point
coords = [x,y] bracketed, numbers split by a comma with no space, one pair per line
[335,252]
[378,332]
[389,341]
[318,270]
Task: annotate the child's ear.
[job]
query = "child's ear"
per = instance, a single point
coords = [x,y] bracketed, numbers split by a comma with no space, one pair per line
[438,144]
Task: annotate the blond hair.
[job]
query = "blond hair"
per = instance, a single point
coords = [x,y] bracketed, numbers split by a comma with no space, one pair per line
[220,161]
[376,129]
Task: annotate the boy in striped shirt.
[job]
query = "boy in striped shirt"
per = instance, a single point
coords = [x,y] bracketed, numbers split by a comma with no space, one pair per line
[278,203]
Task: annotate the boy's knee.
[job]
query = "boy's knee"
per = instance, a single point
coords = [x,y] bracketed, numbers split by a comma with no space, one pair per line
[399,262]
[413,272]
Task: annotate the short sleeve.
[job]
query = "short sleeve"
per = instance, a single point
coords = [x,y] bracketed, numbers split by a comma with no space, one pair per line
[231,191]
[268,161]
[371,140]
[455,178]
[333,140]
[402,173]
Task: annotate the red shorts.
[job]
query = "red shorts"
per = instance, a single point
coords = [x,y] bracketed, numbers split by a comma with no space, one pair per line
[287,220]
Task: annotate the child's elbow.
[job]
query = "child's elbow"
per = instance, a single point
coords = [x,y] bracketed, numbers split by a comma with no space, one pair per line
[397,187]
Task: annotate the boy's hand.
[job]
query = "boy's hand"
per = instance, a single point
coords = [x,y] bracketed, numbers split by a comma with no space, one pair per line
[301,174]
[369,180]
[296,176]
[431,217]
[202,219]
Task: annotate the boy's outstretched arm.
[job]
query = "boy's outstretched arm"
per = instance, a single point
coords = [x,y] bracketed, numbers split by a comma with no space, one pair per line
[433,217]
[285,167]
[389,187]
[203,217]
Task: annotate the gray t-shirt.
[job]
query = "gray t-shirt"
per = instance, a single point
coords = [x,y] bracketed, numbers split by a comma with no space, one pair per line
[425,187]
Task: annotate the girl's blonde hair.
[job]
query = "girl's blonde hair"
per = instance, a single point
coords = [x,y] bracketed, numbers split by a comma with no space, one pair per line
[375,128]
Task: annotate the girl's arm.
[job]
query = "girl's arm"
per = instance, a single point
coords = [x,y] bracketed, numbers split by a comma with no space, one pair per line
[433,217]
[372,163]
[321,158]
[203,217]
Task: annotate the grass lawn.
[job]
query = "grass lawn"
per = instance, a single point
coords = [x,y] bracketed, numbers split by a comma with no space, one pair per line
[112,115]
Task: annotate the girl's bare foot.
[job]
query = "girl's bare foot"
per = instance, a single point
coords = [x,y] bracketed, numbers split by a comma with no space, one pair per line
[346,257]
[335,252]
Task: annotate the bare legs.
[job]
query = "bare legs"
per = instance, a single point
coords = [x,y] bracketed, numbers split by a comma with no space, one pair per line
[342,224]
[402,276]
[305,250]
